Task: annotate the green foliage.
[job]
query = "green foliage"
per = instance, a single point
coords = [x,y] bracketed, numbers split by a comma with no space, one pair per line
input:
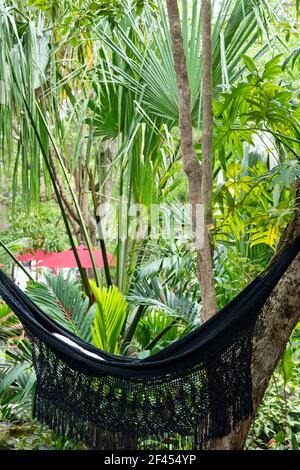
[277,423]
[258,104]
[8,322]
[109,319]
[236,266]
[160,298]
[42,228]
[17,383]
[147,64]
[286,174]
[17,379]
[105,116]
[254,198]
[155,331]
[43,5]
[167,315]
[112,10]
[293,59]
[14,247]
[251,207]
[63,301]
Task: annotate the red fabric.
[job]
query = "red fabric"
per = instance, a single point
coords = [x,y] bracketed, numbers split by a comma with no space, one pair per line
[32,255]
[66,259]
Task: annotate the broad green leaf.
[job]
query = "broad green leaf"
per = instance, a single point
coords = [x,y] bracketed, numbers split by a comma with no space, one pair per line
[111,308]
[249,62]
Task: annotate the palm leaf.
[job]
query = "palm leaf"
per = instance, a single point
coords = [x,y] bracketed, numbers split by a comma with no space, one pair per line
[17,380]
[62,300]
[147,63]
[156,297]
[109,319]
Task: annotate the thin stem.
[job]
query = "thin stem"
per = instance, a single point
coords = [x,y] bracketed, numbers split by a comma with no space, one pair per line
[16,260]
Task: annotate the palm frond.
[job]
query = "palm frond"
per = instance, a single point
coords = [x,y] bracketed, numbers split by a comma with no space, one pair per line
[157,297]
[17,380]
[110,316]
[62,300]
[147,62]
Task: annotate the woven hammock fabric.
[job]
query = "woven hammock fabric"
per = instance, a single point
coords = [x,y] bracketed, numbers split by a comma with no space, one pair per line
[200,385]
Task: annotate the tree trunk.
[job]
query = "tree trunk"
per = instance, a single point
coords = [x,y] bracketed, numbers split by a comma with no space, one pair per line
[207,117]
[279,317]
[83,191]
[192,165]
[205,257]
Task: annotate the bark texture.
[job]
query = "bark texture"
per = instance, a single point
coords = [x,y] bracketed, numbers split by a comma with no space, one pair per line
[191,163]
[207,116]
[204,257]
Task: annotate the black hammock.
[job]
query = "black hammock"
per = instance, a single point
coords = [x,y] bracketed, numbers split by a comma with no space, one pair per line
[202,381]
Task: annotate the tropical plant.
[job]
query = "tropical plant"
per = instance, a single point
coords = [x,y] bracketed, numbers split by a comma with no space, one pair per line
[110,315]
[8,322]
[63,301]
[17,378]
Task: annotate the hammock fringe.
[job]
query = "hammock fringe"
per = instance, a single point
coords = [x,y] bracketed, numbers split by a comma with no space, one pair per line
[67,424]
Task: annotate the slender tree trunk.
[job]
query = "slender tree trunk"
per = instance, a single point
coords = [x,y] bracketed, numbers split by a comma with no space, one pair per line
[83,190]
[207,117]
[205,257]
[192,165]
[279,317]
